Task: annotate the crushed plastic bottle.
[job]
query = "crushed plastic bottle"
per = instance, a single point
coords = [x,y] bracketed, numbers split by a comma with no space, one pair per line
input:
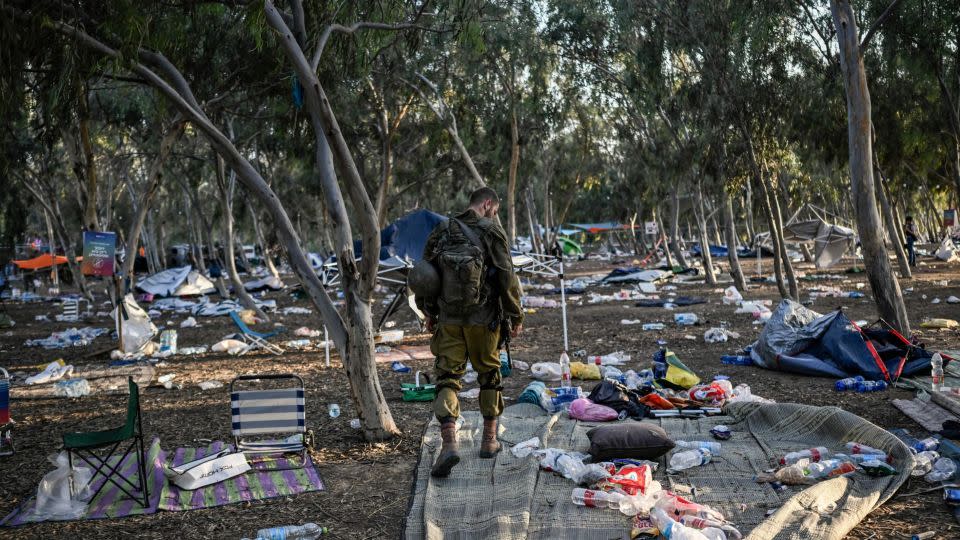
[307,531]
[923,462]
[653,326]
[72,388]
[930,443]
[871,386]
[592,498]
[334,410]
[850,383]
[685,319]
[737,359]
[709,446]
[813,454]
[943,469]
[689,459]
[857,448]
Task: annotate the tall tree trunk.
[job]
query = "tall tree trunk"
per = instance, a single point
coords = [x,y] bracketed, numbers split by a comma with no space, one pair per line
[731,237]
[663,237]
[675,228]
[774,238]
[262,241]
[896,241]
[748,206]
[536,242]
[512,178]
[787,263]
[227,188]
[90,221]
[52,243]
[153,185]
[705,254]
[886,288]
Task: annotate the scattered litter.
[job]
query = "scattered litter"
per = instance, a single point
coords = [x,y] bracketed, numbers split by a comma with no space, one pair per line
[654,326]
[72,388]
[191,351]
[390,336]
[546,371]
[521,365]
[953,300]
[355,423]
[935,301]
[70,337]
[731,296]
[627,322]
[303,331]
[525,448]
[189,322]
[939,323]
[399,367]
[719,335]
[686,319]
[210,385]
[229,346]
[472,393]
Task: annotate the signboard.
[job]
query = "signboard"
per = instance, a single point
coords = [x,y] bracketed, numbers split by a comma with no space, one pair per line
[950,218]
[650,227]
[99,252]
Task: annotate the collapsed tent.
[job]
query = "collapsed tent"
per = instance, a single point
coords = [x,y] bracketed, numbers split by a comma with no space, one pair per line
[570,248]
[41,261]
[183,281]
[406,237]
[830,241]
[270,282]
[947,251]
[636,274]
[715,251]
[800,340]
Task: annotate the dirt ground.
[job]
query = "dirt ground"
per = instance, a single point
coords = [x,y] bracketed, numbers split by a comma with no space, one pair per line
[368,485]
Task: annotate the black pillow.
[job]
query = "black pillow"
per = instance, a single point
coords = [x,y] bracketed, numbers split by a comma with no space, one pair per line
[638,440]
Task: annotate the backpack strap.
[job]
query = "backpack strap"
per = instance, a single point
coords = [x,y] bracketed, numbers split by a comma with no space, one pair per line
[471,236]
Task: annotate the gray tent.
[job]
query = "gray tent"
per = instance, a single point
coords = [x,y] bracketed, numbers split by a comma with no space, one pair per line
[831,242]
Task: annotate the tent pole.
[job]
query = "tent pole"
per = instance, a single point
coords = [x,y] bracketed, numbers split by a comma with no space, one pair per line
[563,304]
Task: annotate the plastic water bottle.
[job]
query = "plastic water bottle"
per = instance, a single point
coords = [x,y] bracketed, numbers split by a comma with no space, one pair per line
[689,459]
[736,360]
[927,444]
[685,319]
[813,454]
[654,326]
[334,410]
[936,372]
[857,448]
[709,446]
[306,531]
[673,530]
[632,380]
[923,463]
[871,386]
[943,469]
[850,383]
[592,498]
[565,374]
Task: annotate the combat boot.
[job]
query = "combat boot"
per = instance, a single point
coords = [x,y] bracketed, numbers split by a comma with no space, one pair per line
[489,445]
[449,451]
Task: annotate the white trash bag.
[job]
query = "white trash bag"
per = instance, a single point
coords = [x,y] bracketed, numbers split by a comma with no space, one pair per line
[54,501]
[136,328]
[731,296]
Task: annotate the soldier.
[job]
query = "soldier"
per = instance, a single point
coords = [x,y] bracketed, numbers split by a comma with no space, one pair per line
[471,292]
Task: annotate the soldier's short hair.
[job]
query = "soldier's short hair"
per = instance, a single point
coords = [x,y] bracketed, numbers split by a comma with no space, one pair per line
[482,195]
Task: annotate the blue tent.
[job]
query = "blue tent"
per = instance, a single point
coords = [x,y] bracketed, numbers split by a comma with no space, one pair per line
[799,340]
[407,236]
[715,251]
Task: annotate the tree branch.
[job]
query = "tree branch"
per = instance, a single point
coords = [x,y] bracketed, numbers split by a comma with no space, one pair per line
[315,61]
[880,20]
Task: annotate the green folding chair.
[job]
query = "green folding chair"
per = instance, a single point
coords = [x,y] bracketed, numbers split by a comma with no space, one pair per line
[90,446]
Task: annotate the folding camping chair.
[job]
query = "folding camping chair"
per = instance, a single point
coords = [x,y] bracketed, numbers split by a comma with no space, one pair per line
[71,310]
[256,340]
[274,412]
[86,445]
[6,423]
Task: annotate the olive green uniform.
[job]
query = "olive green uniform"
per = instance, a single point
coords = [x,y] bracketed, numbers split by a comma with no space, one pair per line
[474,336]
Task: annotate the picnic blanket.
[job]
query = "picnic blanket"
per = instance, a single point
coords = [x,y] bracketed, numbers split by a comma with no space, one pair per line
[511,498]
[256,484]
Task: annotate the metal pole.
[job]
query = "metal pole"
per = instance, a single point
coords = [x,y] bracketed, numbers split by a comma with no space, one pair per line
[326,344]
[563,304]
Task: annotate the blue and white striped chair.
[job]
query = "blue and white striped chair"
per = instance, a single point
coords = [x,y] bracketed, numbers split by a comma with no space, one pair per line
[270,413]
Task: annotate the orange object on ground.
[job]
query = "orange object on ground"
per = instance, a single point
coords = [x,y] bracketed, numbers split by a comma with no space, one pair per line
[42,261]
[655,401]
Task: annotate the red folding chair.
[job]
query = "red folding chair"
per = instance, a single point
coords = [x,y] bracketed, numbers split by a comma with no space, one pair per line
[6,423]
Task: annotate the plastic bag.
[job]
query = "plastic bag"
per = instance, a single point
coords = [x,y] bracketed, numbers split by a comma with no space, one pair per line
[586,372]
[525,448]
[136,327]
[732,296]
[545,371]
[588,411]
[54,500]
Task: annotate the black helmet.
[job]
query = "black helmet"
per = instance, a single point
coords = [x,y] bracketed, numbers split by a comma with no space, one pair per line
[424,280]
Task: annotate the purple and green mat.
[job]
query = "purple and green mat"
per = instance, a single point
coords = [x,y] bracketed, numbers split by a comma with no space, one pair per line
[255,485]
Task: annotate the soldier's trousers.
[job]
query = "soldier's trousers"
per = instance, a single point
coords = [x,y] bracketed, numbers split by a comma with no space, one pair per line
[453,345]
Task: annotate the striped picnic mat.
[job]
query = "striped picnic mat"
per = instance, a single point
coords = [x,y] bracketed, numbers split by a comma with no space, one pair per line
[254,485]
